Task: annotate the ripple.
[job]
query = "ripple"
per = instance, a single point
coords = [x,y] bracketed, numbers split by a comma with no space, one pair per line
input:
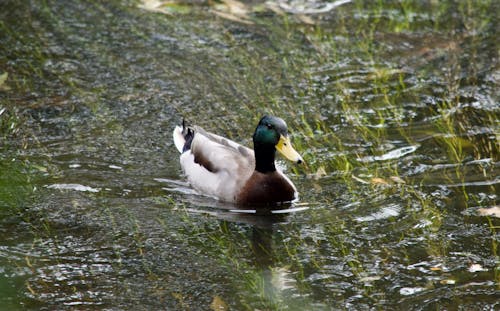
[392,210]
[391,155]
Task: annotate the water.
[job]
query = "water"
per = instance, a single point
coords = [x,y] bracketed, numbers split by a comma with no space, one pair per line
[394,107]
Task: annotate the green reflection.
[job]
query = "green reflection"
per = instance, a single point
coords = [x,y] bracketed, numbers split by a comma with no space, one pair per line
[394,105]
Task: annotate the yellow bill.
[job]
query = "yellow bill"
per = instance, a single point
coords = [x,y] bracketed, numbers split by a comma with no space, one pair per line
[284,146]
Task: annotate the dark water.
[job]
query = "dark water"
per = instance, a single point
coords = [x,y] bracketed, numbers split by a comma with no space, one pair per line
[394,106]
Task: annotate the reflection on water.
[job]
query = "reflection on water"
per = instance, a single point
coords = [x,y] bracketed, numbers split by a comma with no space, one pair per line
[275,279]
[393,105]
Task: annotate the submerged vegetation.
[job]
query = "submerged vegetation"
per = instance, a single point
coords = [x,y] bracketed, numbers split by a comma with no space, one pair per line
[393,104]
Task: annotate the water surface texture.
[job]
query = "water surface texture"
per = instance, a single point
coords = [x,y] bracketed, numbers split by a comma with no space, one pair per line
[394,106]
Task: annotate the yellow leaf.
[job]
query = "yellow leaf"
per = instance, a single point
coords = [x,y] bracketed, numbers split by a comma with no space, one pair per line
[233,10]
[306,19]
[359,179]
[236,7]
[40,168]
[30,289]
[321,172]
[379,181]
[218,304]
[492,211]
[151,5]
[398,180]
[233,17]
[448,282]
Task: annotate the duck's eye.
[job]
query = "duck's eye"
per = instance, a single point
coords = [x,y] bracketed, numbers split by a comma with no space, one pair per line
[269,125]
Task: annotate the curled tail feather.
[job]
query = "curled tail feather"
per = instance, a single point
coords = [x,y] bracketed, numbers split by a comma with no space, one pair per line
[183,137]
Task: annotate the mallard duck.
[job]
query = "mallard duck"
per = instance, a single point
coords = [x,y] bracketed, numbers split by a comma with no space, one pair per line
[222,168]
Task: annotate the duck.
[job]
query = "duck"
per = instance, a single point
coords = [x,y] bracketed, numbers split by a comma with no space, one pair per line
[219,167]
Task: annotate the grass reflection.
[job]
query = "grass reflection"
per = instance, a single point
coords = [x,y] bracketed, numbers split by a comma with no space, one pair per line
[393,104]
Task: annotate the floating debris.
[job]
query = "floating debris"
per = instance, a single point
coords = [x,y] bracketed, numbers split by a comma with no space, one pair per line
[76,187]
[492,211]
[475,267]
[218,304]
[407,291]
[305,7]
[448,282]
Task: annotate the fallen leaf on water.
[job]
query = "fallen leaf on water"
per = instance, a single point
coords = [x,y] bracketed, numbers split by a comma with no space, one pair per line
[30,289]
[302,9]
[3,78]
[359,179]
[378,181]
[492,211]
[448,282]
[475,267]
[40,168]
[321,172]
[236,7]
[218,304]
[306,19]
[275,8]
[166,7]
[233,10]
[152,5]
[398,180]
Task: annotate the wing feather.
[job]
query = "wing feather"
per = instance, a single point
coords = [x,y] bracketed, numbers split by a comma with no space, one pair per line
[216,165]
[216,153]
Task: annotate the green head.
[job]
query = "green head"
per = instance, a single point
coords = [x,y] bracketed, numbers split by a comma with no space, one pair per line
[272,134]
[269,130]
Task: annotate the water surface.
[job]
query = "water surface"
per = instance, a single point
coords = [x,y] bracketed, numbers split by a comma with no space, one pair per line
[393,105]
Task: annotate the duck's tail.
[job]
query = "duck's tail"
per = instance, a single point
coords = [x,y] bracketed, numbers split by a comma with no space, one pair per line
[183,137]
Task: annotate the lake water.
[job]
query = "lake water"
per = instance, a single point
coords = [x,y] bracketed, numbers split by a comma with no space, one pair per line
[394,106]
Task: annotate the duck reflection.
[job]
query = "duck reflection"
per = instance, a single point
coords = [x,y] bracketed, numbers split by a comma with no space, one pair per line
[263,222]
[275,276]
[272,272]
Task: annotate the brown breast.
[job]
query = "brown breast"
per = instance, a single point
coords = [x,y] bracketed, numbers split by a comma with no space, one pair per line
[266,188]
